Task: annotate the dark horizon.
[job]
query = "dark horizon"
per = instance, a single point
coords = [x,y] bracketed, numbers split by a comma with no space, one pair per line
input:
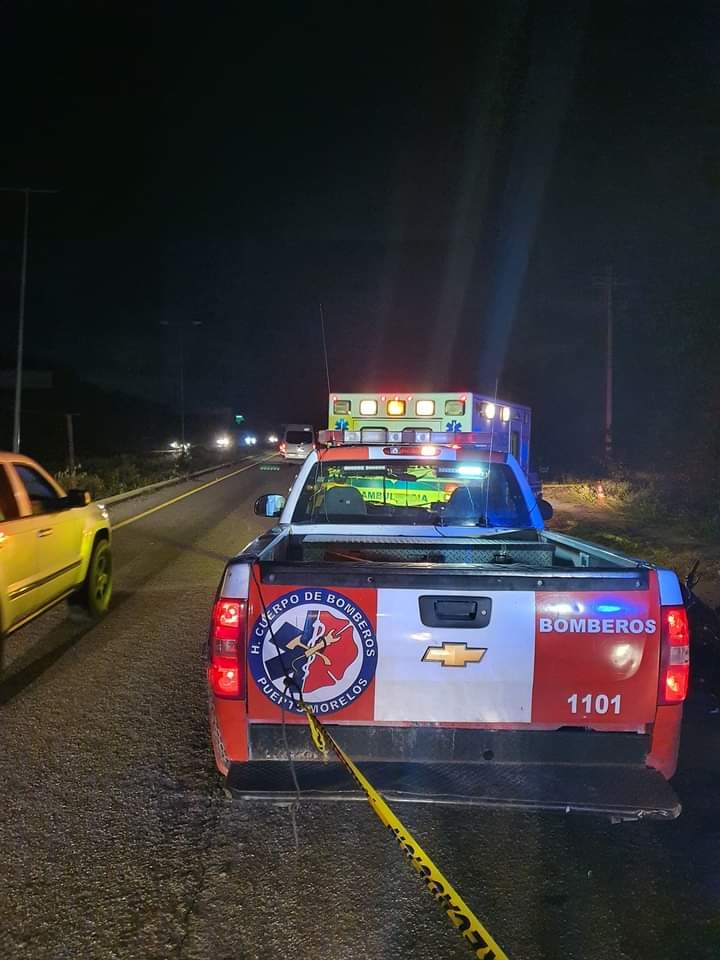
[450,183]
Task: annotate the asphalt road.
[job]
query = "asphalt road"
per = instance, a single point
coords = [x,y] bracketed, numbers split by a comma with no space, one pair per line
[117,841]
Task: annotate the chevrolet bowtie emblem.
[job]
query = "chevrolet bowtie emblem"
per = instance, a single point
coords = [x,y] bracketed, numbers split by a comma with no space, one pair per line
[454,654]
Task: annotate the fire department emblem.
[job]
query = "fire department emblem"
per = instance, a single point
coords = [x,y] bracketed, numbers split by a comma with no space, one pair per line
[318,642]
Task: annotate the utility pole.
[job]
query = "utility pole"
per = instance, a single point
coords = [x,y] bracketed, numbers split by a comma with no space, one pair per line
[607,283]
[21,309]
[70,442]
[181,374]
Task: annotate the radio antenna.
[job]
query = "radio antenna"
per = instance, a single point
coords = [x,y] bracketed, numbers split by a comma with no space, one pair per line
[324,343]
[492,437]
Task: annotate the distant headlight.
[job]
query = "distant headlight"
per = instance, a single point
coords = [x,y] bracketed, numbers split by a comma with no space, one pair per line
[273,438]
[223,441]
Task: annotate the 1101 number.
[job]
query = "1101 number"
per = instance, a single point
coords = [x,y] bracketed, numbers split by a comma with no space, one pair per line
[599,703]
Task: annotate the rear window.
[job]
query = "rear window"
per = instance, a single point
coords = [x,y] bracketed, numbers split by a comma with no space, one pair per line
[442,493]
[298,436]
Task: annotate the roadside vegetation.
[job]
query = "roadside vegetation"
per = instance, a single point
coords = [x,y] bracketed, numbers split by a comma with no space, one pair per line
[107,476]
[671,520]
[656,497]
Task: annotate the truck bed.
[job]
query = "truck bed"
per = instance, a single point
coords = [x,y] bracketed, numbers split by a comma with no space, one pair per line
[535,549]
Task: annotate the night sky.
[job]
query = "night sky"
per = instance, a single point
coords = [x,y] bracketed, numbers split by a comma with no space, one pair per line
[450,180]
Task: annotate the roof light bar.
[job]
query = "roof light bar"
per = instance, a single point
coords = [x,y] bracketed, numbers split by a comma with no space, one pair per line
[372,434]
[497,441]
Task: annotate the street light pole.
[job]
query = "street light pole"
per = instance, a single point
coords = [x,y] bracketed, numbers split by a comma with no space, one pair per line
[182,387]
[21,309]
[181,344]
[21,328]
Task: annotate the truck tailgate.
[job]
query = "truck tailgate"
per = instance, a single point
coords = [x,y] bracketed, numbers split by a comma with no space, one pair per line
[513,690]
[482,656]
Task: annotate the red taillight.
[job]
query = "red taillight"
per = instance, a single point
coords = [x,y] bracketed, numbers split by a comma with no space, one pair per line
[226,669]
[282,448]
[674,656]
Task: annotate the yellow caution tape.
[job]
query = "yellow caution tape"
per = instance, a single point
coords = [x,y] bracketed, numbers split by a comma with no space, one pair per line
[459,913]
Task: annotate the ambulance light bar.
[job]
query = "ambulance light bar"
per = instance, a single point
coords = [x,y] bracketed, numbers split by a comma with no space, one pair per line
[380,436]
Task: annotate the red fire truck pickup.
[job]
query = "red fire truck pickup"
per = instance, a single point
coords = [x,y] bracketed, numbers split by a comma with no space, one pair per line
[457,650]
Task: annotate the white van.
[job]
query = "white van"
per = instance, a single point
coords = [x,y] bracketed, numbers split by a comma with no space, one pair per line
[298,440]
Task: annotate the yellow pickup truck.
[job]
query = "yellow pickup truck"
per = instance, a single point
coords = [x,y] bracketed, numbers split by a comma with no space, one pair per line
[54,545]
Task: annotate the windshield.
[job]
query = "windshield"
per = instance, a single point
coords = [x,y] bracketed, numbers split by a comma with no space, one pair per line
[445,493]
[298,436]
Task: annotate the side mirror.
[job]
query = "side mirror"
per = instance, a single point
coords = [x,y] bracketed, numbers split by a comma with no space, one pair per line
[546,510]
[75,498]
[270,505]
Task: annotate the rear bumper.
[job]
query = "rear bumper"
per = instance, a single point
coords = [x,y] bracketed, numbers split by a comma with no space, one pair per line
[568,770]
[619,791]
